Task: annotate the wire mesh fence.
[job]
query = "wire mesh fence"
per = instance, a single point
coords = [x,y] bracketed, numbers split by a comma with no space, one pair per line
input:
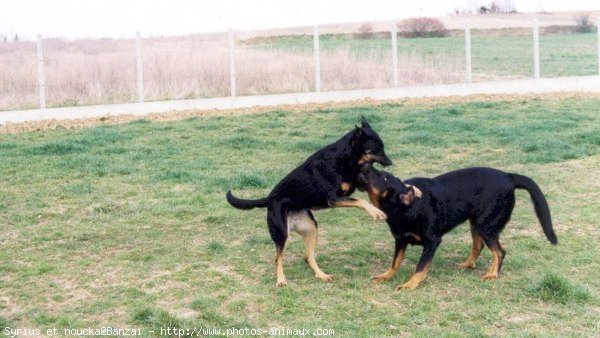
[568,54]
[274,62]
[88,74]
[502,57]
[18,76]
[185,67]
[84,72]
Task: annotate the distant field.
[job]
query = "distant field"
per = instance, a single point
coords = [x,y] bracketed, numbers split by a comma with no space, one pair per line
[493,57]
[127,225]
[85,72]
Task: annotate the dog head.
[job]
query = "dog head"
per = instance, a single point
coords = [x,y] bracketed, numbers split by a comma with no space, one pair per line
[384,188]
[368,145]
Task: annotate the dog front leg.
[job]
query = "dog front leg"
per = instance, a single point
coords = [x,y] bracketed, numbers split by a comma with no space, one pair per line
[398,258]
[422,266]
[349,202]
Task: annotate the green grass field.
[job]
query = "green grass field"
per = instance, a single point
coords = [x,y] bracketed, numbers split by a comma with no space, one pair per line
[492,56]
[127,225]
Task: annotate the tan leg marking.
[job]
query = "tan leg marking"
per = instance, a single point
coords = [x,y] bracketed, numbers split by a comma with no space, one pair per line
[395,266]
[377,214]
[475,251]
[311,244]
[416,279]
[281,281]
[492,272]
[303,224]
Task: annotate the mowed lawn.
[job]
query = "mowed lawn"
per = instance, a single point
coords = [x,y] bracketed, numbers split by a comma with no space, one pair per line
[127,225]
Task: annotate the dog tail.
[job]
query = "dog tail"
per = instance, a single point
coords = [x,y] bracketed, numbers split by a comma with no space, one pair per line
[539,204]
[246,204]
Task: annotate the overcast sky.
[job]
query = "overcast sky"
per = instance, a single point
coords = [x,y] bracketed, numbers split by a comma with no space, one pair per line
[122,18]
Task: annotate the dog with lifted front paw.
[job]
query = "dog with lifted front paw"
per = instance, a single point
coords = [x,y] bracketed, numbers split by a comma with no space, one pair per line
[484,196]
[325,180]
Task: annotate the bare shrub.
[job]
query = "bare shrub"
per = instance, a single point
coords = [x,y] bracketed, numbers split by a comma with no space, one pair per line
[583,24]
[365,31]
[423,28]
[498,7]
[483,10]
[507,7]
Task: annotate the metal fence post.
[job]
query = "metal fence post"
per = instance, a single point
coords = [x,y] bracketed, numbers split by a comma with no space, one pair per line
[317,59]
[140,69]
[468,52]
[394,55]
[41,76]
[232,84]
[536,49]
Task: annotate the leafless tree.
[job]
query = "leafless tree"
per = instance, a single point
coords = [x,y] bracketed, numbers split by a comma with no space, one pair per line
[583,24]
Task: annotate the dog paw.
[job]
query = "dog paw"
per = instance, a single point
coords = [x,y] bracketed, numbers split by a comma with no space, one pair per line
[380,278]
[325,277]
[407,286]
[281,283]
[490,276]
[378,215]
[465,265]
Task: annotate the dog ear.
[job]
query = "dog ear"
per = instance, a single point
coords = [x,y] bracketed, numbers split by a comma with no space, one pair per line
[356,135]
[407,198]
[364,123]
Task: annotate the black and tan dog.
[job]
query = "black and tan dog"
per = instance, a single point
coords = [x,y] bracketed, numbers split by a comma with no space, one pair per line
[325,180]
[484,196]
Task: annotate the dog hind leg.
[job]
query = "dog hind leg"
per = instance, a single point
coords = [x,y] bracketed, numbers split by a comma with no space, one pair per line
[277,223]
[495,222]
[304,223]
[475,249]
[498,254]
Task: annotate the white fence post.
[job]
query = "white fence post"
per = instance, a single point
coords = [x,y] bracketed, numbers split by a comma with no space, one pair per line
[140,69]
[394,55]
[317,59]
[41,76]
[468,52]
[598,29]
[232,84]
[536,49]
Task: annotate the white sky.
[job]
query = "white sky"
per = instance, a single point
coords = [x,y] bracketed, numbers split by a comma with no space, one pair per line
[121,18]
